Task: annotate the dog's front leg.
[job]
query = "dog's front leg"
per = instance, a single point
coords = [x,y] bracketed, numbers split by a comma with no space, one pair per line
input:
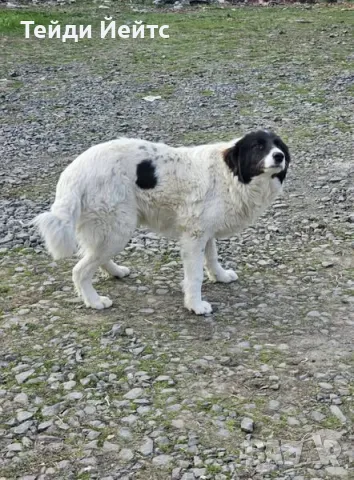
[192,251]
[214,270]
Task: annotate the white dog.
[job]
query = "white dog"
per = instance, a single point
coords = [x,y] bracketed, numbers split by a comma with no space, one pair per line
[194,194]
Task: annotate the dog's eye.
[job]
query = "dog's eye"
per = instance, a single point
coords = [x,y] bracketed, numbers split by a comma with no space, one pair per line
[258,146]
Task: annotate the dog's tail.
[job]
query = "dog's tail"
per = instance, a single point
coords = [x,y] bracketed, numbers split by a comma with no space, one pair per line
[57,227]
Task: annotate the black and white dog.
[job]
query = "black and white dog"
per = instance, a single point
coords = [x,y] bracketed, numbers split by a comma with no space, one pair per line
[194,194]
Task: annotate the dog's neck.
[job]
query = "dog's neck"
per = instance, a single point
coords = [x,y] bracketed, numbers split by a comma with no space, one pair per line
[247,201]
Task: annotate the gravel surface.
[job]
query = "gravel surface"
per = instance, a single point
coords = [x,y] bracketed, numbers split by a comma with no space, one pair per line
[264,387]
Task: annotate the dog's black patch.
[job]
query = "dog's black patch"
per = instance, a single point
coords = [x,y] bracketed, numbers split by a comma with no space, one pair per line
[245,158]
[146,175]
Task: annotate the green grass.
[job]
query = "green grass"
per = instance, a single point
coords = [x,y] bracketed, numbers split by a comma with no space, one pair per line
[4,289]
[227,44]
[238,35]
[10,20]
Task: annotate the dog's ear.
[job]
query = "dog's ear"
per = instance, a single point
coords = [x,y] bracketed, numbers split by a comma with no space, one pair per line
[238,161]
[231,157]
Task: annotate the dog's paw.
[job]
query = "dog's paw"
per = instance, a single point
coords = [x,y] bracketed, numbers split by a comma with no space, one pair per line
[224,276]
[201,308]
[100,304]
[122,272]
[227,276]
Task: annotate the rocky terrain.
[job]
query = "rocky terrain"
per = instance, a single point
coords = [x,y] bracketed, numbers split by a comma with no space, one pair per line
[264,387]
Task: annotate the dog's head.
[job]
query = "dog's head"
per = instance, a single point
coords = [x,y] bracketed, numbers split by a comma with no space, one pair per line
[258,153]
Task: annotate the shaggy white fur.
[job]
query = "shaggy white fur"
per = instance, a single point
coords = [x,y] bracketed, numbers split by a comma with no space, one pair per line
[194,194]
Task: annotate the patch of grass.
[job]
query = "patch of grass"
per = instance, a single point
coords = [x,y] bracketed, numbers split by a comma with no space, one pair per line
[343,127]
[207,93]
[10,20]
[331,422]
[213,469]
[242,35]
[153,367]
[269,356]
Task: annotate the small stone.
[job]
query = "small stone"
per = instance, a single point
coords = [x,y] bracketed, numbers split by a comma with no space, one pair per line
[188,476]
[26,442]
[93,434]
[176,473]
[143,410]
[163,378]
[22,416]
[292,421]
[337,471]
[116,330]
[52,410]
[125,433]
[23,376]
[327,264]
[317,416]
[274,405]
[23,427]
[177,423]
[162,460]
[90,410]
[223,433]
[14,447]
[89,461]
[74,395]
[199,472]
[44,425]
[147,311]
[265,468]
[126,455]
[147,447]
[134,393]
[69,385]
[326,386]
[130,419]
[338,413]
[21,398]
[247,425]
[110,447]
[63,464]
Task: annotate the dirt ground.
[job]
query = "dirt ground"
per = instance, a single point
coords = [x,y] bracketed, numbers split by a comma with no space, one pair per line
[264,387]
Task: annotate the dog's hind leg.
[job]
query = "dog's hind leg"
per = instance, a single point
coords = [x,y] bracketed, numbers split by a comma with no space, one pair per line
[99,243]
[115,270]
[82,277]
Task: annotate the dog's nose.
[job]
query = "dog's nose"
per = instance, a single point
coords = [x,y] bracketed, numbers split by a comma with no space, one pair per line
[278,157]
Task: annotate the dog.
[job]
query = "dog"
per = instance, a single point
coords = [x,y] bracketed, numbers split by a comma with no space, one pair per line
[194,194]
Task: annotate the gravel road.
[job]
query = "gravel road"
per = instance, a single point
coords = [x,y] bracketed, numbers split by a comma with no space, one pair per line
[264,387]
